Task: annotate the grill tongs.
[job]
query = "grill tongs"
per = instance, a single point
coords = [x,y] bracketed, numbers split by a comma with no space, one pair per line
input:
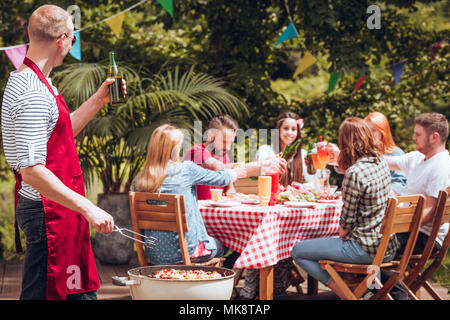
[148,241]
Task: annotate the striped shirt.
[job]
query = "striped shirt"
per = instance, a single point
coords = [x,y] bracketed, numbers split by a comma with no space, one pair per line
[29,114]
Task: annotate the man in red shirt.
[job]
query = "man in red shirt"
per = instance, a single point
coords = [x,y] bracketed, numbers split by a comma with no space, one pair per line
[213,154]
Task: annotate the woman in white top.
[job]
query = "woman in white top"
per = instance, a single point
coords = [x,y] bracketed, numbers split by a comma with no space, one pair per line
[289,125]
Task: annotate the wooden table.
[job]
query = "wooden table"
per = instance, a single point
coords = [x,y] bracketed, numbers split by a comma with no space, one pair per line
[266,235]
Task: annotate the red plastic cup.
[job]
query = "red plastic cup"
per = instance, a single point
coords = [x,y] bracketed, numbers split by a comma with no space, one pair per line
[275,190]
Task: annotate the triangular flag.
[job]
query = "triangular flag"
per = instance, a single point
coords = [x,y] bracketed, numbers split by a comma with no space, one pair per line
[168,5]
[435,47]
[334,76]
[307,61]
[398,69]
[16,55]
[76,49]
[287,34]
[115,23]
[359,82]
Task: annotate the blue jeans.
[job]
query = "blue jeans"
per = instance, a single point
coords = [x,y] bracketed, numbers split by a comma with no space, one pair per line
[30,219]
[307,253]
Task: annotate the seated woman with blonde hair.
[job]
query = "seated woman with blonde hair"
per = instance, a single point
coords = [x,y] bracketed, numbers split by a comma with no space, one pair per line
[164,172]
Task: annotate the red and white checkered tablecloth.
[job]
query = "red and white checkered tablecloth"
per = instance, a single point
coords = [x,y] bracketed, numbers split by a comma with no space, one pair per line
[266,235]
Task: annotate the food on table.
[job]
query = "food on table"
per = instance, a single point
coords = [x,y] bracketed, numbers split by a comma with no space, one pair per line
[185,274]
[296,192]
[243,197]
[329,197]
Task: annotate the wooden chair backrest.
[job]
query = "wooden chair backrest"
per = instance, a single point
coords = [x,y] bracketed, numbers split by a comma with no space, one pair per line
[443,210]
[441,215]
[386,230]
[408,216]
[170,216]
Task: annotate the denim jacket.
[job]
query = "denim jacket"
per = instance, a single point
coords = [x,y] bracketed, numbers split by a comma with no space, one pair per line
[182,178]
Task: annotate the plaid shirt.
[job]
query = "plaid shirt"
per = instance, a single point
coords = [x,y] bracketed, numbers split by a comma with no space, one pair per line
[365,191]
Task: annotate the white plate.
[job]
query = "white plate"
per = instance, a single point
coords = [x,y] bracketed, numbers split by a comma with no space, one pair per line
[224,204]
[328,201]
[300,204]
[250,201]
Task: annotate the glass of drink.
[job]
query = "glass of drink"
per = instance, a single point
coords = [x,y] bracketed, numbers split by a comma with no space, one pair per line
[323,154]
[216,195]
[275,187]
[264,190]
[316,161]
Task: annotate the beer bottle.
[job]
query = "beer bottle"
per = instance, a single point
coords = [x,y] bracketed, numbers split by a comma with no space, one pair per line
[115,90]
[291,150]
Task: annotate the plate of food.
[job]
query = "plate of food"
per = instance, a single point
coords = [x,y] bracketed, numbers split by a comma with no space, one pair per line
[300,204]
[296,193]
[224,204]
[244,198]
[328,201]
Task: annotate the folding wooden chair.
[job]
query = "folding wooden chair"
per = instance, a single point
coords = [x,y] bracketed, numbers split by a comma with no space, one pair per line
[170,217]
[356,279]
[418,276]
[407,219]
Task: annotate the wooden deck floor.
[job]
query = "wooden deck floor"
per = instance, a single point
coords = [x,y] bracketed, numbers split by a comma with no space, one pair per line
[11,276]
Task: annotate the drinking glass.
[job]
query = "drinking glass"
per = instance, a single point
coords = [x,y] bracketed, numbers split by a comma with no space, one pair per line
[323,154]
[216,195]
[264,190]
[275,187]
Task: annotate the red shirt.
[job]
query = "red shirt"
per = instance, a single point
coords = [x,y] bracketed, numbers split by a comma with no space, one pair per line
[199,154]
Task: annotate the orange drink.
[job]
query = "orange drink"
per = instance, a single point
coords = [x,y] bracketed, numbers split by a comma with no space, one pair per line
[316,161]
[323,152]
[264,190]
[216,195]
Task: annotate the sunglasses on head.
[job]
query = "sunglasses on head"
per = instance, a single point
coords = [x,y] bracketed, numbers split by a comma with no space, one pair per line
[74,38]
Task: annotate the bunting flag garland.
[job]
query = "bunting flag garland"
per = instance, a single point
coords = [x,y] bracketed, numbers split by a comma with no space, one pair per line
[398,70]
[115,23]
[334,77]
[167,5]
[287,34]
[435,47]
[307,61]
[359,82]
[16,55]
[76,49]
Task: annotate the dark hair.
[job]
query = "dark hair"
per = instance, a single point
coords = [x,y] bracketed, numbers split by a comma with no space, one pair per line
[221,121]
[294,170]
[356,141]
[434,122]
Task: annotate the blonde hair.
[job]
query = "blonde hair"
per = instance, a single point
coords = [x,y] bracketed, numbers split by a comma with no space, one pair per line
[48,22]
[164,145]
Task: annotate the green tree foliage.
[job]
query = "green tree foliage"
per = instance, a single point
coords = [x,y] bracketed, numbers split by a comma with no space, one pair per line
[241,35]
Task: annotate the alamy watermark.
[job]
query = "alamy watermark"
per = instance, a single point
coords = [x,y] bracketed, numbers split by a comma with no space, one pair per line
[374,20]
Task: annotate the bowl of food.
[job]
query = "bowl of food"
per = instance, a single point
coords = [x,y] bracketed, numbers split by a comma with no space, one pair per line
[178,282]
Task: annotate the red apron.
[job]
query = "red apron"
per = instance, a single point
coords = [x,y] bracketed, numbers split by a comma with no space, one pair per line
[71,266]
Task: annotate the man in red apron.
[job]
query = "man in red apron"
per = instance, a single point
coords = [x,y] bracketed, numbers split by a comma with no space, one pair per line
[59,262]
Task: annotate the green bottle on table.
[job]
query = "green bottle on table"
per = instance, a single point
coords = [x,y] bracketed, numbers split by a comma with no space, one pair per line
[116,96]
